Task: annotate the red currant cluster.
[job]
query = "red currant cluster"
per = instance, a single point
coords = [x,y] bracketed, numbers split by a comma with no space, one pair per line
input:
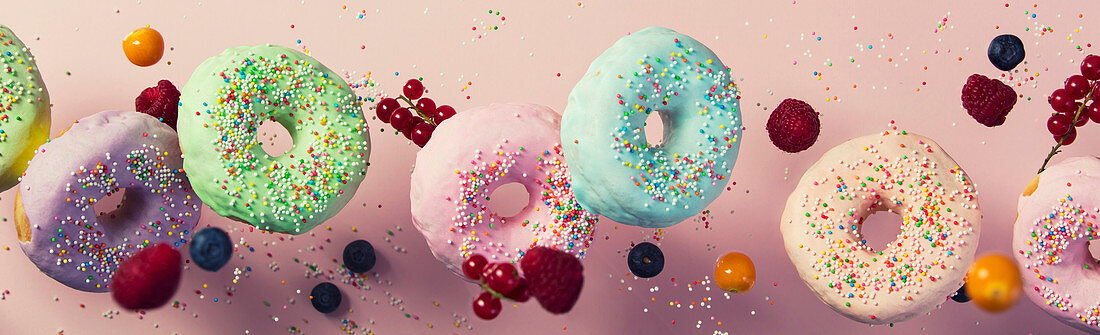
[1074,105]
[417,127]
[495,278]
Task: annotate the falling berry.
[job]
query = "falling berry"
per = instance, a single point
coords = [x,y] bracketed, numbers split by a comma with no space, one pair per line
[413,89]
[1061,101]
[161,101]
[988,101]
[1093,111]
[520,293]
[421,133]
[960,295]
[408,131]
[1059,124]
[1077,86]
[1090,67]
[645,260]
[426,106]
[472,266]
[402,119]
[325,297]
[487,306]
[442,113]
[143,47]
[1006,51]
[359,256]
[793,126]
[385,108]
[1070,137]
[211,248]
[503,278]
[148,279]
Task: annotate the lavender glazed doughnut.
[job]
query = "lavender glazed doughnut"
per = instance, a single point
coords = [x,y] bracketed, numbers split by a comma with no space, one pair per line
[99,155]
[477,151]
[1056,220]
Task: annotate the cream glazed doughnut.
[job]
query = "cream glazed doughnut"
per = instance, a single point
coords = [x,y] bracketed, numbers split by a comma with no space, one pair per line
[1057,218]
[477,151]
[99,155]
[891,171]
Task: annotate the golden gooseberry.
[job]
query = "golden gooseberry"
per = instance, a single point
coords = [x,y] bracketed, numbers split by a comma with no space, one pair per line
[734,272]
[994,283]
[143,47]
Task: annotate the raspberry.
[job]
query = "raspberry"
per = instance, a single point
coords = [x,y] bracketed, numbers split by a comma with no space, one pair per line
[553,277]
[148,279]
[161,101]
[986,100]
[793,126]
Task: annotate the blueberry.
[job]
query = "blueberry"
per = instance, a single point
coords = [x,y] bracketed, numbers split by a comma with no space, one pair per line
[960,295]
[645,260]
[359,256]
[325,297]
[1006,51]
[211,248]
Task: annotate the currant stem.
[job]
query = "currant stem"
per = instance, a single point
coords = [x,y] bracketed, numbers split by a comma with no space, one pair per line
[418,112]
[496,294]
[1054,150]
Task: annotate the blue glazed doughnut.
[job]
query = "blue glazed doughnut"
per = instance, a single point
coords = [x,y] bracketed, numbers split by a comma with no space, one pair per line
[615,172]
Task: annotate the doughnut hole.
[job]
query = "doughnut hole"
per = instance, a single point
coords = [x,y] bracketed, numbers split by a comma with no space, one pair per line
[508,199]
[107,207]
[274,138]
[656,125]
[880,229]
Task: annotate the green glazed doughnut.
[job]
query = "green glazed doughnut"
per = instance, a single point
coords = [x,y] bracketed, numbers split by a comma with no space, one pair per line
[24,108]
[223,104]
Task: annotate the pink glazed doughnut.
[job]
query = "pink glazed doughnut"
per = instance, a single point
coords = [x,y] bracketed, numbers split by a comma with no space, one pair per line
[102,154]
[477,151]
[894,171]
[1056,219]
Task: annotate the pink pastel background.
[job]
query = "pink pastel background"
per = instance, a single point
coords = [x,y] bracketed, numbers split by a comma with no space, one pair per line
[909,66]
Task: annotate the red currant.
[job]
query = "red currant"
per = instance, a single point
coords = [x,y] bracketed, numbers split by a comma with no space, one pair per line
[486,306]
[402,119]
[421,133]
[487,272]
[472,266]
[442,113]
[408,132]
[1058,124]
[1094,111]
[1090,67]
[1070,136]
[385,108]
[413,89]
[1077,86]
[1060,101]
[519,294]
[503,278]
[426,106]
[1083,119]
